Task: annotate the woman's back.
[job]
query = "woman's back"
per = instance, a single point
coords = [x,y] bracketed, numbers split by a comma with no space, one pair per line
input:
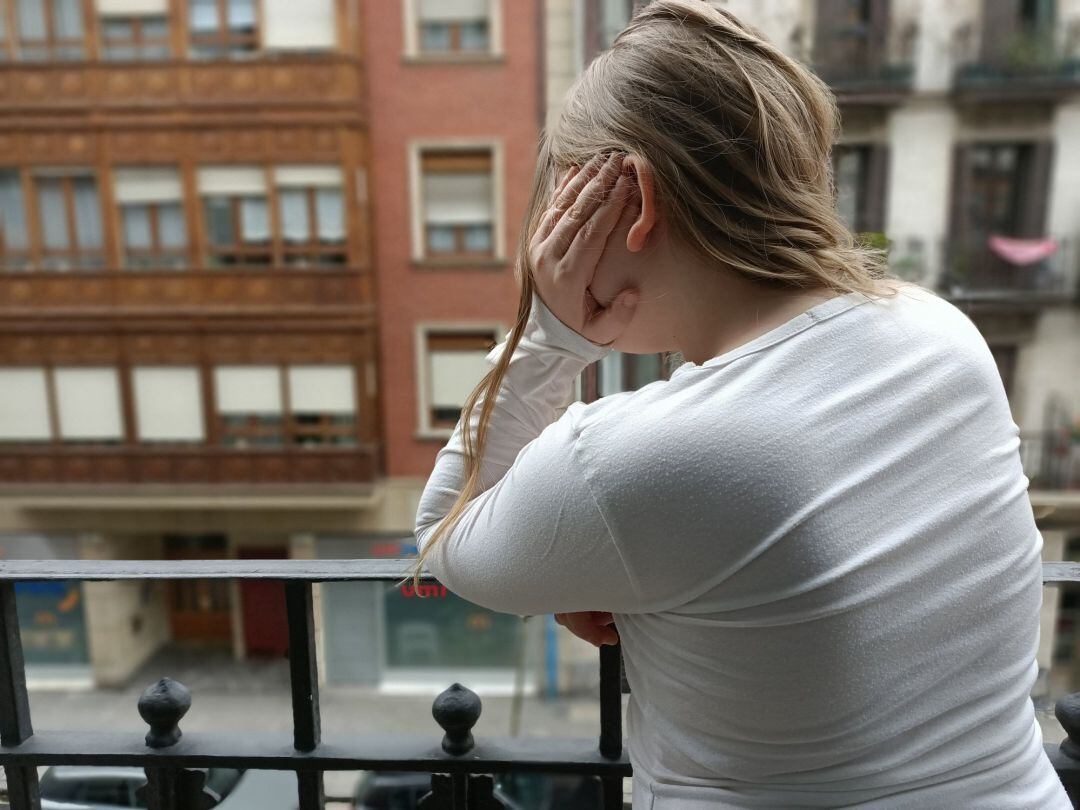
[836,567]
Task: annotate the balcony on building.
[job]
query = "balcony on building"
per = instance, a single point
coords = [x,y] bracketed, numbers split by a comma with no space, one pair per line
[865,55]
[1023,51]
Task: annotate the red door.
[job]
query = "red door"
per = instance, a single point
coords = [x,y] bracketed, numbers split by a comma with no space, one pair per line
[262,601]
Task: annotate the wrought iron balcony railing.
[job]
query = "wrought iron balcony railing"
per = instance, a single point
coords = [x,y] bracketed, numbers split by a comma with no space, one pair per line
[972,271]
[1052,458]
[462,767]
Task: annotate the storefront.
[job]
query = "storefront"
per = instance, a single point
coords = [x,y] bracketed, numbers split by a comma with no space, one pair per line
[403,638]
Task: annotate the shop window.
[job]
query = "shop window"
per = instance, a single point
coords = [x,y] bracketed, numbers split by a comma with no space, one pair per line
[24,407]
[134,31]
[458,205]
[168,404]
[311,210]
[249,405]
[88,405]
[454,27]
[453,364]
[322,405]
[289,25]
[236,211]
[222,28]
[70,214]
[152,218]
[14,237]
[49,29]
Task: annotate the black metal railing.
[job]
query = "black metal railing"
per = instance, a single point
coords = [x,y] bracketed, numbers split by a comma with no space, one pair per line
[176,764]
[461,768]
[972,270]
[1051,458]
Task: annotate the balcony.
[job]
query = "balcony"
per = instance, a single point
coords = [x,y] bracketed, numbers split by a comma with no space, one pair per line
[180,90]
[974,274]
[278,290]
[1051,458]
[462,767]
[859,69]
[1024,66]
[176,470]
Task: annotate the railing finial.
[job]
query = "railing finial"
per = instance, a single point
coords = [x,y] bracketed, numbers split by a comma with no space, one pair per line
[161,706]
[457,709]
[1067,711]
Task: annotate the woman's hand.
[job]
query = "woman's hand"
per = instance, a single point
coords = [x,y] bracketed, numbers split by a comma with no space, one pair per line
[567,247]
[594,626]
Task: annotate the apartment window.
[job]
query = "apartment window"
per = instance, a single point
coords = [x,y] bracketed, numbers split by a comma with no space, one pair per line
[70,215]
[998,177]
[249,405]
[859,173]
[88,405]
[151,217]
[14,238]
[458,204]
[289,25]
[322,405]
[49,29]
[221,28]
[312,214]
[134,29]
[24,407]
[454,27]
[454,362]
[237,215]
[168,404]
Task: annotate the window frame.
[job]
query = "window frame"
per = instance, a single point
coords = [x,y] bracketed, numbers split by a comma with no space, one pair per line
[414,51]
[52,43]
[21,260]
[420,254]
[158,255]
[139,42]
[313,251]
[427,427]
[98,257]
[223,43]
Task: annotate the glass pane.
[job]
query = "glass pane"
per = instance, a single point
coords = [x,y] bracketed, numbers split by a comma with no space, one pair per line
[330,210]
[435,37]
[171,229]
[293,203]
[12,213]
[440,238]
[31,19]
[53,629]
[478,239]
[847,185]
[254,219]
[220,228]
[67,19]
[120,53]
[155,28]
[155,52]
[87,213]
[203,16]
[53,213]
[137,232]
[474,36]
[117,28]
[241,15]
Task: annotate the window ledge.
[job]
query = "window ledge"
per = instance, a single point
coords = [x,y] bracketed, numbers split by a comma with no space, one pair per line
[453,59]
[460,264]
[433,435]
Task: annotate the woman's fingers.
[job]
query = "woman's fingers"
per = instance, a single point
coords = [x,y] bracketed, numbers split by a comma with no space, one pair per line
[605,325]
[591,237]
[595,627]
[569,188]
[588,200]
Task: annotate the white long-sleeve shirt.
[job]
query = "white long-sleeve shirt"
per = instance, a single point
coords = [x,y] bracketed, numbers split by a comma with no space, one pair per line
[818,548]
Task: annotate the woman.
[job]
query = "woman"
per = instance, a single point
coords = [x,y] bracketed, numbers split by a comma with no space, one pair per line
[814,541]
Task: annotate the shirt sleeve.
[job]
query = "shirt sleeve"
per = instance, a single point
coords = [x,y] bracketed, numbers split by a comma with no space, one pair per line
[533,541]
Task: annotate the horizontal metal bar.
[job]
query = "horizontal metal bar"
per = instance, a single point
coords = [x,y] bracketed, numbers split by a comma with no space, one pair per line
[274,751]
[366,570]
[387,570]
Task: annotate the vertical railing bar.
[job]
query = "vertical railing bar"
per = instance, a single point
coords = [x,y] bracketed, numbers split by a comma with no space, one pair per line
[304,685]
[611,719]
[15,726]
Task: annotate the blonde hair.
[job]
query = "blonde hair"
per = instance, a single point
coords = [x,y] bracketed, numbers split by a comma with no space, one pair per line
[739,137]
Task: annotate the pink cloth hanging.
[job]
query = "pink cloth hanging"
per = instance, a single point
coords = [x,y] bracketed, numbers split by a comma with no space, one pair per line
[1022,251]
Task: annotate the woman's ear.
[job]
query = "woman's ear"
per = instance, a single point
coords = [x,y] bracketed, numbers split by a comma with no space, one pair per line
[645,190]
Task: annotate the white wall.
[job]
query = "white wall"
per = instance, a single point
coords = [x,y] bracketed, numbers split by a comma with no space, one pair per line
[920,156]
[776,19]
[563,52]
[1048,364]
[1064,215]
[937,43]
